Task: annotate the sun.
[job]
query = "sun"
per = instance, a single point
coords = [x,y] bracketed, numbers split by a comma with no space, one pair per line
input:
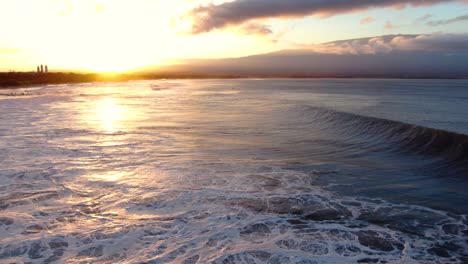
[103,36]
[111,36]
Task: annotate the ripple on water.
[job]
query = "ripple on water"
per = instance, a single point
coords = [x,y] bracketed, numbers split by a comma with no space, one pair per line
[165,183]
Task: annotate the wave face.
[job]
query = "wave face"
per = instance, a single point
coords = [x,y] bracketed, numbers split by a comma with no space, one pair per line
[447,150]
[235,171]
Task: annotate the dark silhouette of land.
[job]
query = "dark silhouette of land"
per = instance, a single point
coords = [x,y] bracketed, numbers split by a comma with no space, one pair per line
[24,79]
[307,64]
[16,79]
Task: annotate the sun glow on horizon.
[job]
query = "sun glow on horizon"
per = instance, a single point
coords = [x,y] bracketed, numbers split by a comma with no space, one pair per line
[121,35]
[114,40]
[109,36]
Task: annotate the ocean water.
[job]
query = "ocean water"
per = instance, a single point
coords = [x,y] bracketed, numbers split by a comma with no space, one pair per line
[235,171]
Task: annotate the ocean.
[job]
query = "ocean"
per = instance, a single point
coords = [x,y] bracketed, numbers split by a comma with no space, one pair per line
[235,171]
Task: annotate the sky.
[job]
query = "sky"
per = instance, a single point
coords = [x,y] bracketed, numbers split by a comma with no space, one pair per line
[121,35]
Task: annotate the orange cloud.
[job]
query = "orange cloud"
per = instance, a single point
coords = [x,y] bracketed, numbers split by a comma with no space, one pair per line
[389,25]
[367,20]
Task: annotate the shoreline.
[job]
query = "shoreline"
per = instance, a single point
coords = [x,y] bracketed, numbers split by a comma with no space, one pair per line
[13,80]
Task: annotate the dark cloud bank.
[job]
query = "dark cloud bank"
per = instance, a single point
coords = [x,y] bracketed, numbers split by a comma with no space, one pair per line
[395,56]
[209,17]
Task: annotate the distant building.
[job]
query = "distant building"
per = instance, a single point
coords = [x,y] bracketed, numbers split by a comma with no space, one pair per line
[42,68]
[38,69]
[46,69]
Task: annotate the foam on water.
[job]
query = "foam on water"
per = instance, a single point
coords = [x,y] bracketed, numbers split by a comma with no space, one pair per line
[125,173]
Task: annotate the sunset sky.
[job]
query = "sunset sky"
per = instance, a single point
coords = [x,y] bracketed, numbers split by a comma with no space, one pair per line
[119,35]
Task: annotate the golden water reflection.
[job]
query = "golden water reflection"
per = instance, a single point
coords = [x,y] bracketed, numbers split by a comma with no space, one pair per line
[110,176]
[111,115]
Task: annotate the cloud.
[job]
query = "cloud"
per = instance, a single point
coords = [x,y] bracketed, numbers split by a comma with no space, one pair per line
[445,43]
[389,25]
[448,21]
[424,18]
[255,29]
[206,18]
[367,20]
[433,43]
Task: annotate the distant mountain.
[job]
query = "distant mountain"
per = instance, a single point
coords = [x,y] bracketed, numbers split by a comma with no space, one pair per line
[393,56]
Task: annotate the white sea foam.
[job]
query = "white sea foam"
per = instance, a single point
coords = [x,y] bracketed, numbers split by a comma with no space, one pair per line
[123,173]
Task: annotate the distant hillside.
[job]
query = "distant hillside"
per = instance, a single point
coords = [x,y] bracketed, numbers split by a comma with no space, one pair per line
[392,56]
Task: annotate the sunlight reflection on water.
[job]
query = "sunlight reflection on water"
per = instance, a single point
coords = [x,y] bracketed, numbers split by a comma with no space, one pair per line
[110,115]
[166,172]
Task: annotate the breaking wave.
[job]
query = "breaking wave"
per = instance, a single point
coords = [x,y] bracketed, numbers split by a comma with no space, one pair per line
[446,149]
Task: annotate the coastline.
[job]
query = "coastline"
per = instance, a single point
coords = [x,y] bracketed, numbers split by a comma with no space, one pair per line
[12,80]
